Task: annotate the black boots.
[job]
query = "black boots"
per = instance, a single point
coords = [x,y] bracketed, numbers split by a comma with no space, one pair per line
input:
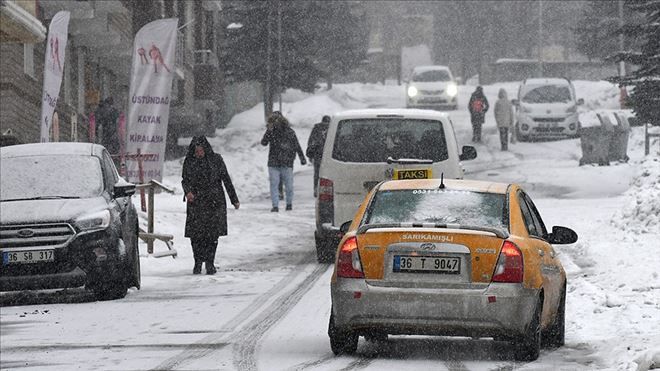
[210,268]
[197,269]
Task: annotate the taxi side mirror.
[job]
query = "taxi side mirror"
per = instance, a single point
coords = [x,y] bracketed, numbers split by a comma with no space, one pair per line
[515,102]
[562,236]
[469,153]
[345,226]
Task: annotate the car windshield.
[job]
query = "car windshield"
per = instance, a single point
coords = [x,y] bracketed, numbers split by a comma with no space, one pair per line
[438,206]
[374,140]
[432,75]
[547,94]
[50,177]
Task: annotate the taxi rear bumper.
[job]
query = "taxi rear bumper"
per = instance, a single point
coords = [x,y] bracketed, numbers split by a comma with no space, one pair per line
[498,309]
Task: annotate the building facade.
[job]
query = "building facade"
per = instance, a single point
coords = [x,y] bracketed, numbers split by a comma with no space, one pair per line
[98,64]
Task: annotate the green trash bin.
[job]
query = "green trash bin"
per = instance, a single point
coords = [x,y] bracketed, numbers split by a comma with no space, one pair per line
[618,150]
[595,143]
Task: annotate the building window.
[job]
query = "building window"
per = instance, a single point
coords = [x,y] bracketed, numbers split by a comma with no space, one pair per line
[28,60]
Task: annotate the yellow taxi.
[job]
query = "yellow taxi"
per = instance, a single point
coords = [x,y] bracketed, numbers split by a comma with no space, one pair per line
[451,258]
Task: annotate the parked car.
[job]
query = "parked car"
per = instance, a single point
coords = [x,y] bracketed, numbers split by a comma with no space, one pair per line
[546,108]
[364,147]
[432,87]
[66,220]
[450,258]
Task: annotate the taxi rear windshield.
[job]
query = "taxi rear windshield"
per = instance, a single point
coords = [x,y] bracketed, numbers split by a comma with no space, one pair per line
[374,140]
[439,206]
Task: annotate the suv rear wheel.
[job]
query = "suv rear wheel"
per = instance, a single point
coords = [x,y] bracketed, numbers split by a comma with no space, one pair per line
[324,251]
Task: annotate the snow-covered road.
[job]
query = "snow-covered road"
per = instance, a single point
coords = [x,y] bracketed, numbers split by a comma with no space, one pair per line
[268,306]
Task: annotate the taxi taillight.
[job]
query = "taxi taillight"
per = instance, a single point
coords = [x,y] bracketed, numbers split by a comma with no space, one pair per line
[509,266]
[348,263]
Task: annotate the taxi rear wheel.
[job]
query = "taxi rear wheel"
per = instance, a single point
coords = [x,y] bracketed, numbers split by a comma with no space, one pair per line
[341,341]
[528,346]
[556,333]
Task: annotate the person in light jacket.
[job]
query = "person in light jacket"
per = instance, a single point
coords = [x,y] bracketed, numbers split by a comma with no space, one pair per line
[503,117]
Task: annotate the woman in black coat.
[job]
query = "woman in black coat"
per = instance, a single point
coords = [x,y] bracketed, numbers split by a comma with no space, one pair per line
[204,173]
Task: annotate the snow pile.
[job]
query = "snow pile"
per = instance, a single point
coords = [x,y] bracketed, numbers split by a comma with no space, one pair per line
[642,215]
[597,94]
[610,117]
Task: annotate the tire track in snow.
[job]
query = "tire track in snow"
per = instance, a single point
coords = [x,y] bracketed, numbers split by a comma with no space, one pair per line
[252,333]
[194,351]
[309,364]
[358,364]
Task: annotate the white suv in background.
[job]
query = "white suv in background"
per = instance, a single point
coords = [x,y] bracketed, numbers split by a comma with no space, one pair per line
[431,87]
[546,108]
[365,147]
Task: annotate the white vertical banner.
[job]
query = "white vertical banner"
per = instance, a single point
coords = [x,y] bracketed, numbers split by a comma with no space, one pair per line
[53,70]
[149,98]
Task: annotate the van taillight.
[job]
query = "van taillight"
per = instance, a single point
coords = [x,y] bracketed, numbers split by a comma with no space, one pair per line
[326,191]
[348,263]
[509,266]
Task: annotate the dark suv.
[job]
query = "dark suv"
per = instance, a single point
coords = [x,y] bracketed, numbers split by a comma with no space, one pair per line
[66,220]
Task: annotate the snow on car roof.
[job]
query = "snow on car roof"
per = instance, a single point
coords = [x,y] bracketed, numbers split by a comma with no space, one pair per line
[50,149]
[394,112]
[450,184]
[546,81]
[430,68]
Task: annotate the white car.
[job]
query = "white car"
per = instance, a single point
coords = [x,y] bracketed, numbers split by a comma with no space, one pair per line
[365,147]
[432,87]
[546,108]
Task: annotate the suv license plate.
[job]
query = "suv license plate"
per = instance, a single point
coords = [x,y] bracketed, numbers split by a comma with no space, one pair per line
[427,264]
[23,257]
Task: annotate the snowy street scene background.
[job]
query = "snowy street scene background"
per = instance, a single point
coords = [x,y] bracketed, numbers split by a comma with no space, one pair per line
[268,306]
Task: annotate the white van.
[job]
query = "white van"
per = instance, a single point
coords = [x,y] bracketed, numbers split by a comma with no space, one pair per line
[365,147]
[546,108]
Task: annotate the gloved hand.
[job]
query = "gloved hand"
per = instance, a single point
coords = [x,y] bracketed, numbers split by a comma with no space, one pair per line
[303,161]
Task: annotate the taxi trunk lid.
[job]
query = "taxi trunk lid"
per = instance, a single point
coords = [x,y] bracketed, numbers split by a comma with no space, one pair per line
[429,257]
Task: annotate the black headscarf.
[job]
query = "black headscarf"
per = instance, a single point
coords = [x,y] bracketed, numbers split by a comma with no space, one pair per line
[199,141]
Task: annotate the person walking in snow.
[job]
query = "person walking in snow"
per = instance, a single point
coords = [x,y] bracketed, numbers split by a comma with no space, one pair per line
[315,147]
[503,117]
[283,147]
[478,107]
[204,174]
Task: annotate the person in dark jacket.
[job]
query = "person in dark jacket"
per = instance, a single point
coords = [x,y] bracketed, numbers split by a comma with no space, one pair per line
[282,152]
[315,147]
[478,107]
[204,173]
[106,120]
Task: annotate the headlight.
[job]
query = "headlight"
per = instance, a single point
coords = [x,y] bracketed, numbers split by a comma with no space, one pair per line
[412,91]
[97,220]
[452,90]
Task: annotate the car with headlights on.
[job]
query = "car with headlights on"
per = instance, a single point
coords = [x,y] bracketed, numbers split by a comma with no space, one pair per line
[66,220]
[546,108]
[365,147]
[450,258]
[432,87]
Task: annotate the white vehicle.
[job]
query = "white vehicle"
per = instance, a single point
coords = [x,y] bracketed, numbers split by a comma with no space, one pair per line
[365,147]
[432,87]
[546,108]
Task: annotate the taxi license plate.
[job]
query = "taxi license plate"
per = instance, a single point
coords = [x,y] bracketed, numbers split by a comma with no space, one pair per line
[412,174]
[427,264]
[27,257]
